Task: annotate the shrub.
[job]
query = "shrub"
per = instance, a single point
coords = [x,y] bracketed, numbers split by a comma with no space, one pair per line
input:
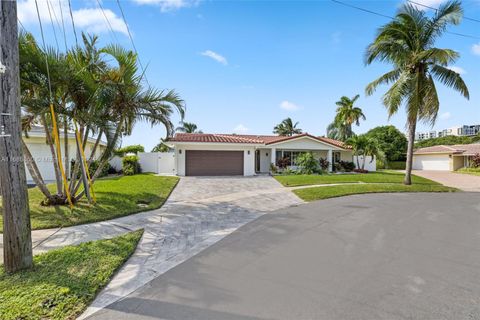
[129,149]
[396,165]
[345,166]
[307,163]
[324,163]
[282,163]
[475,161]
[273,168]
[130,165]
[92,168]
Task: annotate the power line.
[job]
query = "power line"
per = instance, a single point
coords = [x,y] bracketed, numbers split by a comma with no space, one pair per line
[44,48]
[108,21]
[53,24]
[63,25]
[436,9]
[390,17]
[73,23]
[362,9]
[133,43]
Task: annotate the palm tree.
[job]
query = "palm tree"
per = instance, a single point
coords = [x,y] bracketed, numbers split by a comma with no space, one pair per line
[105,99]
[338,131]
[287,128]
[359,144]
[188,127]
[347,114]
[407,42]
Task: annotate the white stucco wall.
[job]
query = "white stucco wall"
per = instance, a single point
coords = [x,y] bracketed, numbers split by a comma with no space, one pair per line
[248,155]
[369,164]
[43,157]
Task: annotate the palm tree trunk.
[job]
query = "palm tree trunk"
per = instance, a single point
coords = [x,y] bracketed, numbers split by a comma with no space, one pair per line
[358,162]
[65,141]
[34,171]
[363,163]
[411,138]
[95,146]
[58,175]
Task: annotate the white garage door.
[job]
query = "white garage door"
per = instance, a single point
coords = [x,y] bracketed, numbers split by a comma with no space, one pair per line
[431,162]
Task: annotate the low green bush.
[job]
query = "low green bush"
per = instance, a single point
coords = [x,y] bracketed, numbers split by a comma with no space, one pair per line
[130,165]
[395,165]
[129,149]
[307,163]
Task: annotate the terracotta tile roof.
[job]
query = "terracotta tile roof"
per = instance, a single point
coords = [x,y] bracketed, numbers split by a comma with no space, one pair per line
[214,138]
[463,149]
[248,138]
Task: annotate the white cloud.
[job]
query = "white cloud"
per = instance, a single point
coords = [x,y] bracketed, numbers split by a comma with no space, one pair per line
[88,19]
[289,106]
[458,70]
[423,4]
[240,129]
[476,49]
[445,116]
[169,5]
[215,56]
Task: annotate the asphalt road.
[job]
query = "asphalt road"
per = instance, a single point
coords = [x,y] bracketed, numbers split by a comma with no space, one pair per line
[384,256]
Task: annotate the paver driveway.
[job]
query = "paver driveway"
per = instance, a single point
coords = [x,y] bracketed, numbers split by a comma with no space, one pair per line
[199,212]
[465,182]
[379,256]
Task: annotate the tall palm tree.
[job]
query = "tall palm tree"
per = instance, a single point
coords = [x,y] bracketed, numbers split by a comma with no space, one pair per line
[338,131]
[287,128]
[347,115]
[408,43]
[188,127]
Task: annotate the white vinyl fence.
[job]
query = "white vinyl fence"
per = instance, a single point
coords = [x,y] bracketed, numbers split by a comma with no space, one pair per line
[369,164]
[155,162]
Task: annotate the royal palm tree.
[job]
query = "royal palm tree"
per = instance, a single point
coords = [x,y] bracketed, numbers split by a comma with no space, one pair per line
[188,127]
[347,115]
[287,128]
[408,44]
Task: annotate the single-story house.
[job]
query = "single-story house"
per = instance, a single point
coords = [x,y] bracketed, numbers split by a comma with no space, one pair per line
[444,158]
[36,143]
[200,154]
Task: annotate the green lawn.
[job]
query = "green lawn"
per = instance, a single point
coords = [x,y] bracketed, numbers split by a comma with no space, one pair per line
[63,282]
[373,177]
[318,193]
[472,171]
[116,197]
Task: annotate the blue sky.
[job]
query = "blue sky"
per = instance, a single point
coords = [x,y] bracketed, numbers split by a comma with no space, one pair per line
[243,66]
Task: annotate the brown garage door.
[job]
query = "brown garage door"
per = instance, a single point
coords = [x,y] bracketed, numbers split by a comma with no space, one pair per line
[213,163]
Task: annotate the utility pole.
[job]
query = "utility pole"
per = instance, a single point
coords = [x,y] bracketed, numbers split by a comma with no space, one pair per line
[17,238]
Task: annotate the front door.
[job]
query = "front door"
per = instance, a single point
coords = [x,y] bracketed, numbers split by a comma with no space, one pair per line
[257,160]
[336,156]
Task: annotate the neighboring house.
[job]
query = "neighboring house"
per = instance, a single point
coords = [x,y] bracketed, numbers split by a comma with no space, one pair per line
[444,158]
[36,143]
[236,154]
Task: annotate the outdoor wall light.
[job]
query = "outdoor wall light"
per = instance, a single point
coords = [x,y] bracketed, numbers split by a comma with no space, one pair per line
[180,151]
[266,154]
[248,152]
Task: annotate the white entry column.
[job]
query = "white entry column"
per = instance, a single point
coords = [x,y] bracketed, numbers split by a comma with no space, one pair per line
[273,156]
[330,160]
